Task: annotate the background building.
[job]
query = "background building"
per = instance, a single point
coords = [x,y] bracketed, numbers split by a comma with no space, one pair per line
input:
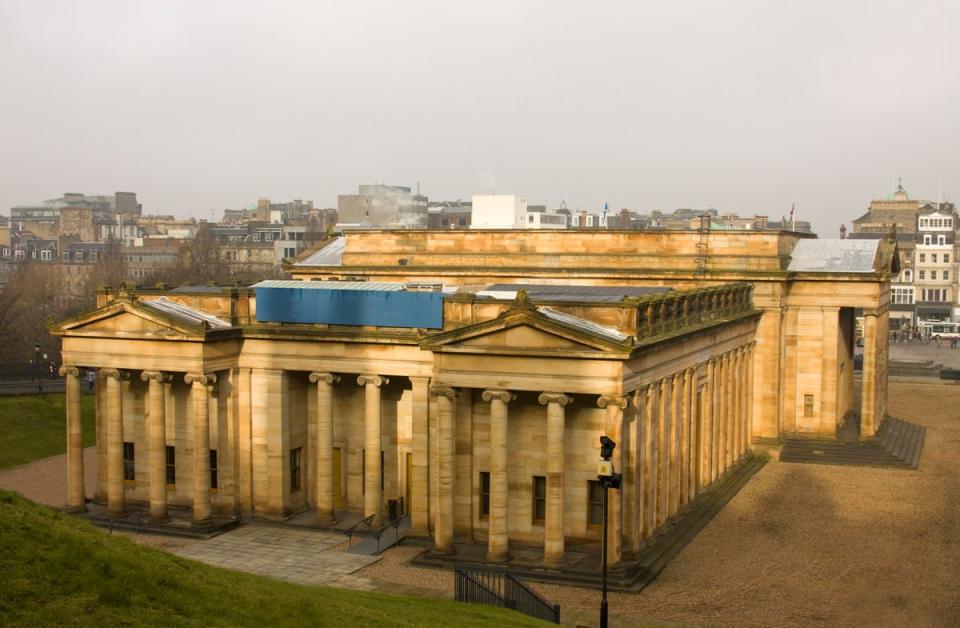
[383,206]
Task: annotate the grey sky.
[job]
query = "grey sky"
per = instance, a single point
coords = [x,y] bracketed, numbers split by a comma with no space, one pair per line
[745,106]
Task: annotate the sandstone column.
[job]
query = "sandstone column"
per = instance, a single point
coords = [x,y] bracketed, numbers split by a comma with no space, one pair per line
[323,500]
[443,526]
[868,389]
[498,549]
[748,418]
[116,507]
[76,494]
[663,454]
[157,444]
[723,382]
[736,385]
[373,444]
[200,393]
[648,516]
[554,544]
[685,437]
[419,502]
[675,426]
[614,405]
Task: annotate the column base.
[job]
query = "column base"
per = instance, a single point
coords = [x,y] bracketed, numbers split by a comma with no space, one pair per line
[204,524]
[499,557]
[326,521]
[443,551]
[158,519]
[117,514]
[554,562]
[75,508]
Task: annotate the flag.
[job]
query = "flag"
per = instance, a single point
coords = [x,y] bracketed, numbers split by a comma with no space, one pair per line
[792,207]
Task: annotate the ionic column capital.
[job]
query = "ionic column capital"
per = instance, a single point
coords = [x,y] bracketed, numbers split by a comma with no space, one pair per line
[158,376]
[69,370]
[207,379]
[116,374]
[376,380]
[500,395]
[443,391]
[326,378]
[618,401]
[558,398]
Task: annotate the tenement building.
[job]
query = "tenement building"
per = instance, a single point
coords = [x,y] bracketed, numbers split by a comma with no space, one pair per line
[465,377]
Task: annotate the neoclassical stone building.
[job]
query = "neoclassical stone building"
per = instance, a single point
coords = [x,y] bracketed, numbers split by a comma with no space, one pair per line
[468,378]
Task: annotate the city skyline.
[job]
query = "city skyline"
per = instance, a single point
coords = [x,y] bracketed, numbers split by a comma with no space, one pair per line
[746,108]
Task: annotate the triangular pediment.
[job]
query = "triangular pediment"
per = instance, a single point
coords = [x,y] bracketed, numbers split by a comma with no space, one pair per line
[126,319]
[523,332]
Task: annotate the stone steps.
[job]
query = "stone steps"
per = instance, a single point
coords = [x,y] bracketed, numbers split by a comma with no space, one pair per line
[898,444]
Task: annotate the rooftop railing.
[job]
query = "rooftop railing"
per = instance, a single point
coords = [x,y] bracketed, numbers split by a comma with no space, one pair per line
[670,312]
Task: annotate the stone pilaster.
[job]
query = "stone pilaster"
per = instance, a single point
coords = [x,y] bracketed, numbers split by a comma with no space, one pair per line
[76,494]
[323,485]
[676,422]
[443,525]
[116,506]
[554,544]
[373,445]
[498,532]
[614,405]
[157,443]
[419,500]
[200,393]
[685,408]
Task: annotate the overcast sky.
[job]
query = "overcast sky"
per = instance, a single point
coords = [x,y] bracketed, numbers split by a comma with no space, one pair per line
[743,106]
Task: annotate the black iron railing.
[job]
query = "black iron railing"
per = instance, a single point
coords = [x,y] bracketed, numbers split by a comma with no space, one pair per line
[496,587]
[364,526]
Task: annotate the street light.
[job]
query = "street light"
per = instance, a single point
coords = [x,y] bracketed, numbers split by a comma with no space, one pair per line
[608,479]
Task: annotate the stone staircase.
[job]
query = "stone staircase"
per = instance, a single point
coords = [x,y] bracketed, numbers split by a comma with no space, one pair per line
[913,368]
[898,444]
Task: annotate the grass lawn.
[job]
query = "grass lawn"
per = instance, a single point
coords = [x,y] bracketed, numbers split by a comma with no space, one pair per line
[57,570]
[34,427]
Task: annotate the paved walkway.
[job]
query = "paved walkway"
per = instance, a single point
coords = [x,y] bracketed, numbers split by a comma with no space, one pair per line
[284,553]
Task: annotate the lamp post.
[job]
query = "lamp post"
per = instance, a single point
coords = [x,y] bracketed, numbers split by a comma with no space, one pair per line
[608,479]
[36,365]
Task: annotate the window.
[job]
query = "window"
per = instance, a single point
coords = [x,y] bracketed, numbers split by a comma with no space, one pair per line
[445,222]
[128,466]
[902,296]
[171,465]
[213,468]
[594,503]
[296,460]
[256,237]
[933,258]
[941,239]
[933,274]
[927,239]
[484,493]
[65,256]
[287,252]
[93,256]
[946,258]
[921,274]
[923,257]
[539,498]
[907,276]
[268,237]
[46,255]
[946,275]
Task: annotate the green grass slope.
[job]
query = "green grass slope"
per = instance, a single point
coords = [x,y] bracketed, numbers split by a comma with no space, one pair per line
[34,427]
[56,570]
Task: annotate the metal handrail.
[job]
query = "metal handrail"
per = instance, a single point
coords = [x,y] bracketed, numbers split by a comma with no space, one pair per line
[368,521]
[497,587]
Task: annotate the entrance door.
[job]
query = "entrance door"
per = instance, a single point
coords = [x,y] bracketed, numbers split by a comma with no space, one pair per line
[409,495]
[336,478]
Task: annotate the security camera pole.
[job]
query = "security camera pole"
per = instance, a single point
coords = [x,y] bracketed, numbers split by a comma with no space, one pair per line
[608,479]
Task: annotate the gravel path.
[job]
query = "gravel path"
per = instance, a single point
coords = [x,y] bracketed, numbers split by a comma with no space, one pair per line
[806,545]
[45,481]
